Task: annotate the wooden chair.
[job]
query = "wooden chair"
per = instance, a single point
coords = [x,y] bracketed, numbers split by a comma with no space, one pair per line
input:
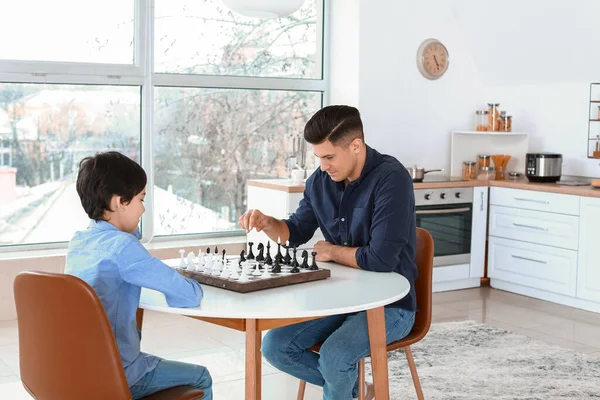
[67,349]
[422,318]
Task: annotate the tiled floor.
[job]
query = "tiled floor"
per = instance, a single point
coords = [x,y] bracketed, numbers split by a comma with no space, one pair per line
[221,349]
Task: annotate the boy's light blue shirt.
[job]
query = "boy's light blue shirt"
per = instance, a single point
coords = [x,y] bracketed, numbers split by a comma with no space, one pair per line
[116,265]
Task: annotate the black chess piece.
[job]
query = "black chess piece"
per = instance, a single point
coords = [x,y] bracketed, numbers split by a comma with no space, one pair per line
[208,250]
[295,259]
[242,258]
[279,256]
[287,260]
[260,256]
[276,268]
[314,266]
[216,250]
[268,259]
[295,270]
[304,260]
[223,254]
[250,255]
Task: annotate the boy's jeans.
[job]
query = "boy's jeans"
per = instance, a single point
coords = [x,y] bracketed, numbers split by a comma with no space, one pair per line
[346,341]
[168,374]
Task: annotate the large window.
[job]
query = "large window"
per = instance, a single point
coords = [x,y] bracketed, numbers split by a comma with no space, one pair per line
[204,98]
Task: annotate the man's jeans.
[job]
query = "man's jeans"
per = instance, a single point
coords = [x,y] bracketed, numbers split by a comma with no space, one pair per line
[346,341]
[168,374]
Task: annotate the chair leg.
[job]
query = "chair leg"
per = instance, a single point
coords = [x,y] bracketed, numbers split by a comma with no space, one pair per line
[301,389]
[361,379]
[413,372]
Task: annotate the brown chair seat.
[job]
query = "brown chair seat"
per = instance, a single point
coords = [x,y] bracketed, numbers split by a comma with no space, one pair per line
[67,349]
[423,287]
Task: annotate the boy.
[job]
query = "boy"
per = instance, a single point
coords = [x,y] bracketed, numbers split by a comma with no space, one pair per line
[110,258]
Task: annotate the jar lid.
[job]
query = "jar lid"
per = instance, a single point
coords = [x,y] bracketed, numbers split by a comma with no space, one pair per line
[469,163]
[486,168]
[493,104]
[502,113]
[483,156]
[509,116]
[484,112]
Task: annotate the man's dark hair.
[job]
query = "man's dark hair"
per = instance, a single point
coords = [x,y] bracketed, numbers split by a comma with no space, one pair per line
[104,175]
[338,124]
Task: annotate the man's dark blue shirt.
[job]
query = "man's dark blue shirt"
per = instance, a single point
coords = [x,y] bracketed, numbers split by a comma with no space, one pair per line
[375,213]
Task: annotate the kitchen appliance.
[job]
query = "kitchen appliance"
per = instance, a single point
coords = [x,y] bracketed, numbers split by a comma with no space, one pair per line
[543,167]
[417,174]
[447,214]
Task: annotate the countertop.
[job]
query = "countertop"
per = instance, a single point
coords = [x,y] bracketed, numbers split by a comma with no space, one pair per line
[287,185]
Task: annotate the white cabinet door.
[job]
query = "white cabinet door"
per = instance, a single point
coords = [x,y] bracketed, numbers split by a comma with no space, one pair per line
[478,231]
[534,200]
[588,279]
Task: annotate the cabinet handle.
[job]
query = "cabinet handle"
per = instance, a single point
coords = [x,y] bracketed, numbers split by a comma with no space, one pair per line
[531,200]
[531,227]
[529,259]
[481,205]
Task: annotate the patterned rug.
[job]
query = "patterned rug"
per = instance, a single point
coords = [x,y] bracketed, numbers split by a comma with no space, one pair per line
[468,360]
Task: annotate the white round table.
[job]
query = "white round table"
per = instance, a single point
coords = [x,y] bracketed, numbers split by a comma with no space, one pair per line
[347,290]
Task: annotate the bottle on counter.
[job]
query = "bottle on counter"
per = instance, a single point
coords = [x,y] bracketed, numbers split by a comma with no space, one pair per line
[469,170]
[481,120]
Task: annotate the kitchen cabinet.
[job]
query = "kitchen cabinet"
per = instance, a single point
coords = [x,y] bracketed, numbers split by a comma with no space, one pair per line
[478,231]
[588,280]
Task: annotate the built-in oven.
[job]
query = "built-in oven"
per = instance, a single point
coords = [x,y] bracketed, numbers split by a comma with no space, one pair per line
[447,213]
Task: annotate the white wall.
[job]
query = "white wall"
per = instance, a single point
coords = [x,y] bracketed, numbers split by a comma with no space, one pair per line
[536,58]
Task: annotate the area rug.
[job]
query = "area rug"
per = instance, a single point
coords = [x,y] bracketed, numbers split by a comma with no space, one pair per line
[469,360]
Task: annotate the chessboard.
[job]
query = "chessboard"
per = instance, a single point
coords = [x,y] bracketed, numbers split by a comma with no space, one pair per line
[248,273]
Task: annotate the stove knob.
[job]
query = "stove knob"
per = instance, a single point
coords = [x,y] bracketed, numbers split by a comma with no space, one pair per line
[427,196]
[443,196]
[457,195]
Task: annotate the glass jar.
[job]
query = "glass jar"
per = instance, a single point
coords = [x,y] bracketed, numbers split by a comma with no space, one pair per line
[508,127]
[486,174]
[500,173]
[481,120]
[502,123]
[469,170]
[493,116]
[483,160]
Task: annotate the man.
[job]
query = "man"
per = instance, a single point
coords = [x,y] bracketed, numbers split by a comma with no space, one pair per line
[363,202]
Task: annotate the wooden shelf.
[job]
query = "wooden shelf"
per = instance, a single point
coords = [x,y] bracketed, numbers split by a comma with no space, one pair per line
[488,133]
[594,101]
[594,120]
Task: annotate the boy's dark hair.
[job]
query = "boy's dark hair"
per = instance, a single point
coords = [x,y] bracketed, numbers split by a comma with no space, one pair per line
[104,175]
[338,124]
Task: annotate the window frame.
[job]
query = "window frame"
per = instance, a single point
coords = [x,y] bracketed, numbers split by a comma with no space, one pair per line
[141,72]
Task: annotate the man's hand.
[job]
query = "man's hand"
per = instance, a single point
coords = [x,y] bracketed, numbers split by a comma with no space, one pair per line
[324,251]
[254,219]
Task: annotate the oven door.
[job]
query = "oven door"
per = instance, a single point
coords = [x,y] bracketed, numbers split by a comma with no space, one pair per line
[450,226]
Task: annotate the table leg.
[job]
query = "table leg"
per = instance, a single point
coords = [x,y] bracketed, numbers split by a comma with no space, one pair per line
[376,323]
[253,360]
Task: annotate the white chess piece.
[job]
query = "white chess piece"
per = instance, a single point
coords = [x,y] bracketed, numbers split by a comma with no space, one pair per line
[209,265]
[200,266]
[217,266]
[266,274]
[190,261]
[234,270]
[257,270]
[244,274]
[182,263]
[225,272]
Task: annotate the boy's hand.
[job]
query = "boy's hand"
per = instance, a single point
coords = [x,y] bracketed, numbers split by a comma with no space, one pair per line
[254,219]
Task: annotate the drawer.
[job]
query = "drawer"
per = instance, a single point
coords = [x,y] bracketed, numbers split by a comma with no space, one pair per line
[557,230]
[541,267]
[534,200]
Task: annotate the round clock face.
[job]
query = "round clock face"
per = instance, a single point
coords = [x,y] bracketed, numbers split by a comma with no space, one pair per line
[432,59]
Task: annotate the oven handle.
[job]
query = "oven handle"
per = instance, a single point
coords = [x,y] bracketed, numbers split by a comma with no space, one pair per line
[443,211]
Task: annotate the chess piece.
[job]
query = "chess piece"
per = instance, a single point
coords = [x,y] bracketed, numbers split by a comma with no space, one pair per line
[287,259]
[266,274]
[314,266]
[234,271]
[242,258]
[226,272]
[208,251]
[250,255]
[217,265]
[216,251]
[201,261]
[279,256]
[295,259]
[276,268]
[257,270]
[209,264]
[295,270]
[268,259]
[182,263]
[260,256]
[244,275]
[190,261]
[223,252]
[304,260]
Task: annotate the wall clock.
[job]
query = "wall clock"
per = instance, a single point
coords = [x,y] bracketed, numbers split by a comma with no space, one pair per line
[432,59]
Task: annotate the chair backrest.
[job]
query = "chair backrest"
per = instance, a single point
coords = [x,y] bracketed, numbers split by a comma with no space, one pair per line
[67,349]
[423,284]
